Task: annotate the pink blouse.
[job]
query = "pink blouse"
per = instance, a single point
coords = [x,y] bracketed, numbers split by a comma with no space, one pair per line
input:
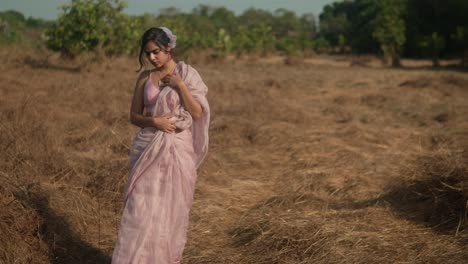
[150,94]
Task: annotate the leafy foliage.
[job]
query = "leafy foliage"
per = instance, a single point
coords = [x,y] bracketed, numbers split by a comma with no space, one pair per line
[390,28]
[15,28]
[413,28]
[394,28]
[94,25]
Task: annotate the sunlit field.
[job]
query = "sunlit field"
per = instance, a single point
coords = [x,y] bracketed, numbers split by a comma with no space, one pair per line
[322,160]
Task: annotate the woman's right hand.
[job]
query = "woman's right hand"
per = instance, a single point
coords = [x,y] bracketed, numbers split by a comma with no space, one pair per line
[164,123]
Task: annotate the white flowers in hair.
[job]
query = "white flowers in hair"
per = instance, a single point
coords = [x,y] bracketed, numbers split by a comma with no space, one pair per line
[172,37]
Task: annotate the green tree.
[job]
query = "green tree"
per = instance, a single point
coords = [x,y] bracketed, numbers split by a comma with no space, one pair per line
[390,29]
[258,39]
[12,25]
[221,17]
[285,23]
[360,36]
[14,18]
[94,26]
[461,38]
[334,26]
[223,43]
[308,25]
[446,17]
[335,21]
[253,17]
[432,45]
[322,45]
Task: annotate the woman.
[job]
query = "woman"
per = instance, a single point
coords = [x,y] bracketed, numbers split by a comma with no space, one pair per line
[170,105]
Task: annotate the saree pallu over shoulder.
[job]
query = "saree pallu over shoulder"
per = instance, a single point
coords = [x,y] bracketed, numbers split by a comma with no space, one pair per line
[162,177]
[200,127]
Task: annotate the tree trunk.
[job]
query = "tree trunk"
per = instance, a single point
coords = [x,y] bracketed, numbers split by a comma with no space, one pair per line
[465,59]
[396,61]
[435,62]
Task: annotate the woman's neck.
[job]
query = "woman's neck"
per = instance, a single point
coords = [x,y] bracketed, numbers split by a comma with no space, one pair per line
[168,67]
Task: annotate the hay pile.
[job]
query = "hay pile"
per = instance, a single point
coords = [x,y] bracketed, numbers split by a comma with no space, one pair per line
[280,230]
[435,189]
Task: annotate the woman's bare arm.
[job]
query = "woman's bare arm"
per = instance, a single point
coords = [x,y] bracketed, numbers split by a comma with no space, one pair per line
[136,110]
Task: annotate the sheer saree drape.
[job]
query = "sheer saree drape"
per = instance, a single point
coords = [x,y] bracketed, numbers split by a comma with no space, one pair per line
[162,176]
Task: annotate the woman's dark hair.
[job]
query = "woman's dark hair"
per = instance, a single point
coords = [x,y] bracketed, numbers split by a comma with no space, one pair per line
[153,34]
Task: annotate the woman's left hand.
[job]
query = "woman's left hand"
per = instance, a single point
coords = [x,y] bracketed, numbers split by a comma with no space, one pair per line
[172,80]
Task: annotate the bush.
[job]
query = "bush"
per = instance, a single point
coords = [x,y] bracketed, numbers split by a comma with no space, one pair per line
[94,26]
[13,17]
[322,45]
[8,34]
[291,46]
[254,39]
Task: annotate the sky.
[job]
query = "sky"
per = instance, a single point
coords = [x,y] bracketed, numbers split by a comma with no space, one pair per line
[48,9]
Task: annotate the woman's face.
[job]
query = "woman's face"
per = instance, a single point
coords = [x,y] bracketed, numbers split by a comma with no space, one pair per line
[155,55]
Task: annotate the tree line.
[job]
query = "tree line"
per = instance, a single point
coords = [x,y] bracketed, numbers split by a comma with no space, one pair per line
[88,25]
[394,28]
[391,28]
[15,28]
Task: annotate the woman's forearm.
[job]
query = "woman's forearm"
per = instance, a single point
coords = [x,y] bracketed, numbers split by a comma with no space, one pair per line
[190,104]
[141,120]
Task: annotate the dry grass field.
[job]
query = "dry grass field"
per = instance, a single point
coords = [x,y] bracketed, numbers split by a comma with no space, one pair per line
[329,160]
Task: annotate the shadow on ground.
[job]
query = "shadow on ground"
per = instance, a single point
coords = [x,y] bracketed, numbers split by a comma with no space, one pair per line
[433,202]
[65,246]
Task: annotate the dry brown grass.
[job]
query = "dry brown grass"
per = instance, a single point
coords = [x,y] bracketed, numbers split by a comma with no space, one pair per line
[320,162]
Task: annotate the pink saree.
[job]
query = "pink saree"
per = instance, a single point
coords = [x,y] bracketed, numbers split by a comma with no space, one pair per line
[162,176]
